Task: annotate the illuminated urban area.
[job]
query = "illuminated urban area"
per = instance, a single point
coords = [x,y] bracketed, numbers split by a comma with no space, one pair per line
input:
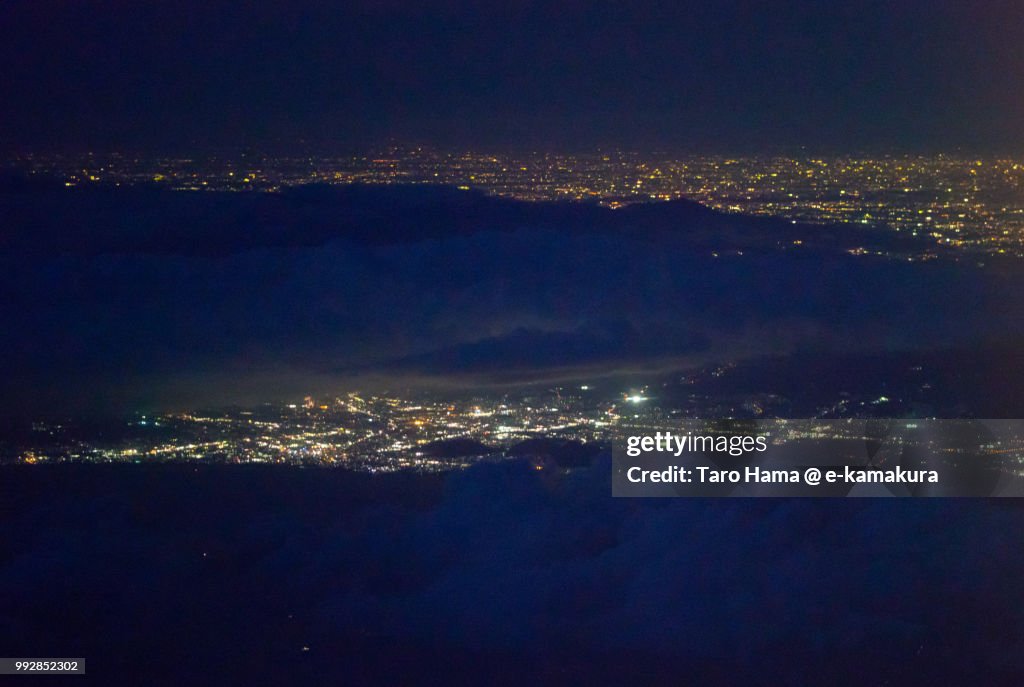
[555,428]
[970,203]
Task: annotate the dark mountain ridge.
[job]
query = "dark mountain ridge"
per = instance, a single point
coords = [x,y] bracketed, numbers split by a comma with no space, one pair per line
[147,220]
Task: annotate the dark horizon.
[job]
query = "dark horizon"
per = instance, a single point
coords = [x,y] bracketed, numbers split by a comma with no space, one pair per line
[734,77]
[288,150]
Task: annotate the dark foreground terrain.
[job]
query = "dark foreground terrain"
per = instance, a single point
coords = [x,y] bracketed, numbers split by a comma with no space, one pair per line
[259,575]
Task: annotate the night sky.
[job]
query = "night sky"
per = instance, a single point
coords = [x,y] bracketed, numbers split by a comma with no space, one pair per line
[197,76]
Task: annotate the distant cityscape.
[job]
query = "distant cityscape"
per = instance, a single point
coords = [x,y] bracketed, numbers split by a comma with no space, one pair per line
[554,427]
[970,203]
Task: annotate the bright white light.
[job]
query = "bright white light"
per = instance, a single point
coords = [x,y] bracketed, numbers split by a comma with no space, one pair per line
[636,399]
